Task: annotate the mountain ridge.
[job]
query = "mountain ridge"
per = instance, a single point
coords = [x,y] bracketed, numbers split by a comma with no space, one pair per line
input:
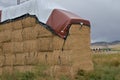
[104,43]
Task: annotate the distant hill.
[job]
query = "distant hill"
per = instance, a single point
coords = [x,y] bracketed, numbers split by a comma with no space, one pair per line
[102,43]
[115,45]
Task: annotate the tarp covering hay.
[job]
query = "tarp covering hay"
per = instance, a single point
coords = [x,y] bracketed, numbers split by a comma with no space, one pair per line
[25,42]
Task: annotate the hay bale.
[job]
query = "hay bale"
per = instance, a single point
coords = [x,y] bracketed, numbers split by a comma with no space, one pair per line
[78,29]
[77,42]
[17,24]
[31,58]
[17,35]
[56,55]
[5,36]
[49,59]
[28,22]
[24,68]
[6,26]
[7,47]
[57,43]
[17,47]
[20,59]
[43,32]
[62,70]
[66,57]
[45,44]
[9,59]
[7,70]
[29,33]
[62,57]
[85,65]
[41,57]
[2,59]
[45,58]
[30,68]
[79,57]
[13,47]
[30,46]
[19,68]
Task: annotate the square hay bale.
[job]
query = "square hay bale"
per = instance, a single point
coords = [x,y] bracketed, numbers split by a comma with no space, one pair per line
[76,42]
[29,33]
[49,58]
[31,58]
[19,68]
[81,57]
[63,57]
[78,29]
[43,32]
[17,47]
[7,47]
[9,59]
[66,57]
[17,25]
[7,70]
[85,65]
[30,46]
[45,44]
[2,59]
[5,36]
[6,26]
[57,56]
[24,68]
[45,57]
[57,43]
[41,57]
[17,35]
[30,68]
[13,47]
[28,22]
[62,70]
[20,59]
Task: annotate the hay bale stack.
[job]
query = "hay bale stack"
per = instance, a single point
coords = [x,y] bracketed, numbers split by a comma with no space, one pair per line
[25,43]
[78,42]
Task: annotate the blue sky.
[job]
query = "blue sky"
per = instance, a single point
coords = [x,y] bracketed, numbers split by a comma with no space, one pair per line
[104,16]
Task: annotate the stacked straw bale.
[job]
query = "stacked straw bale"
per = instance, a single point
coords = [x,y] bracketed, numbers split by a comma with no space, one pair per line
[25,43]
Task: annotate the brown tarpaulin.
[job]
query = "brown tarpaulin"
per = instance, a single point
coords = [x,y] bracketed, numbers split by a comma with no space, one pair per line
[60,20]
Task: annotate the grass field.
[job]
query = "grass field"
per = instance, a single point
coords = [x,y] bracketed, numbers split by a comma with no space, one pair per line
[106,67]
